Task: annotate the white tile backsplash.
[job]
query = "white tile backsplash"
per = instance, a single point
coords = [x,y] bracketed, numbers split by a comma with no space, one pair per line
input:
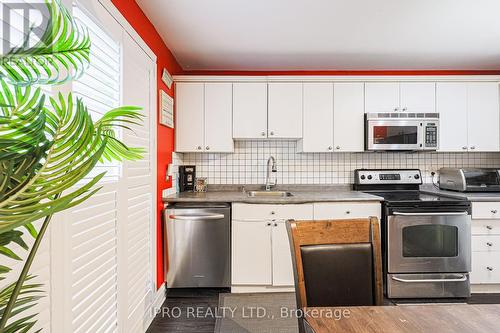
[247,164]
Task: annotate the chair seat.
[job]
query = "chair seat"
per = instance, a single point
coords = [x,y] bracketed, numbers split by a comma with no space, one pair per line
[338,274]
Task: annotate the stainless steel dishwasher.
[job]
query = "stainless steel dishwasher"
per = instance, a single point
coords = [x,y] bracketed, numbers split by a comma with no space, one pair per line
[199,245]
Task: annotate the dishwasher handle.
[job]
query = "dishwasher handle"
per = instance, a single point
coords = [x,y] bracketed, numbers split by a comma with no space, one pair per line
[196,217]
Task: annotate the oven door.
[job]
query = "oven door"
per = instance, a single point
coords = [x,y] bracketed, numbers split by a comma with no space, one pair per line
[435,242]
[394,135]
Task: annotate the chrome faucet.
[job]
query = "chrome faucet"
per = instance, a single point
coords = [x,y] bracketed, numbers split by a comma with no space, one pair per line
[272,169]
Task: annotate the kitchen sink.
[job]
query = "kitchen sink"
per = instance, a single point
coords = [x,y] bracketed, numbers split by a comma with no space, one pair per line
[279,194]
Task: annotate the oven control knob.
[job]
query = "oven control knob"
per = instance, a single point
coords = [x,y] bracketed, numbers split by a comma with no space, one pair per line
[417,176]
[362,177]
[369,176]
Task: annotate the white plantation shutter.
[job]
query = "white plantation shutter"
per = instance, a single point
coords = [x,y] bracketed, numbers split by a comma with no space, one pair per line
[99,87]
[94,261]
[97,262]
[137,268]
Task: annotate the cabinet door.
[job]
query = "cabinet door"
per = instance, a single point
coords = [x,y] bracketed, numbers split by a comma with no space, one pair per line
[285,110]
[381,97]
[348,117]
[418,96]
[218,117]
[451,104]
[282,256]
[318,117]
[483,116]
[189,112]
[251,253]
[250,110]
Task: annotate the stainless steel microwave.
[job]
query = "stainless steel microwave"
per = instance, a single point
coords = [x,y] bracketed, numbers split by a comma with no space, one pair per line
[401,131]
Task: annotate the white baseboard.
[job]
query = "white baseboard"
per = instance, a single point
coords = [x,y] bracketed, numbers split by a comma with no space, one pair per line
[485,288]
[261,289]
[159,299]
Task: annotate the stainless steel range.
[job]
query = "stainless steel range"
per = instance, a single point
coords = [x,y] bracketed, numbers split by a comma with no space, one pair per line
[426,237]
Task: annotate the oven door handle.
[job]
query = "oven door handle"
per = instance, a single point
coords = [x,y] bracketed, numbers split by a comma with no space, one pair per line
[432,214]
[460,279]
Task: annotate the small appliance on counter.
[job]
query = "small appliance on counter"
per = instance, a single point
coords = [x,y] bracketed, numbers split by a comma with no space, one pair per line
[187,176]
[426,238]
[469,179]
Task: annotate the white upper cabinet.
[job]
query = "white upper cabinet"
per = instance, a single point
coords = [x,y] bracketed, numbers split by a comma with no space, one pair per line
[218,117]
[189,124]
[250,110]
[318,118]
[285,110]
[381,97]
[400,97]
[469,116]
[418,97]
[348,117]
[451,104]
[203,117]
[483,116]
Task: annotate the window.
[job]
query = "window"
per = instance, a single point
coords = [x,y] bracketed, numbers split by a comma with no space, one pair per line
[99,87]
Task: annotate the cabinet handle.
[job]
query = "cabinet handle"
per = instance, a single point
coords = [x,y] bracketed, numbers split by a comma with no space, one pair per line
[272,133]
[330,148]
[396,109]
[207,148]
[273,212]
[493,211]
[263,133]
[404,109]
[275,224]
[338,147]
[199,147]
[490,244]
[489,268]
[473,147]
[489,227]
[268,224]
[464,148]
[348,212]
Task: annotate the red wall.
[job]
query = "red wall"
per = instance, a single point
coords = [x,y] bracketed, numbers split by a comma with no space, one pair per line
[165,136]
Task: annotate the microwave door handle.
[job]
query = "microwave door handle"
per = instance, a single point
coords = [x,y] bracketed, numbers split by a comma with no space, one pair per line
[460,279]
[432,214]
[196,217]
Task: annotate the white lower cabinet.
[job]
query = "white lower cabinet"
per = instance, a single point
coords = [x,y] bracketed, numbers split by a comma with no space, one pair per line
[281,258]
[485,244]
[261,257]
[251,257]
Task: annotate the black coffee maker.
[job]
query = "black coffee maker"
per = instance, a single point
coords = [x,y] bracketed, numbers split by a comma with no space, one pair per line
[187,176]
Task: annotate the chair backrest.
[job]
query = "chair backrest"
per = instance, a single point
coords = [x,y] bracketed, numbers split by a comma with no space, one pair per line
[336,262]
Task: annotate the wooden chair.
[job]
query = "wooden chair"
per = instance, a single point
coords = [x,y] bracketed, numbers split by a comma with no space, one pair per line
[336,262]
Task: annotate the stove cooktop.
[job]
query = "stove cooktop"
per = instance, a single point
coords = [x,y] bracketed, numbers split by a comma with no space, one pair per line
[414,197]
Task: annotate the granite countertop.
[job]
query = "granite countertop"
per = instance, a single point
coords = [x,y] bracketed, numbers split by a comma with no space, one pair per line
[472,196]
[301,194]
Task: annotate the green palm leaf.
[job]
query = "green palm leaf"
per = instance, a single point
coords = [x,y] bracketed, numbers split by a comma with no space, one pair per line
[28,296]
[77,146]
[62,53]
